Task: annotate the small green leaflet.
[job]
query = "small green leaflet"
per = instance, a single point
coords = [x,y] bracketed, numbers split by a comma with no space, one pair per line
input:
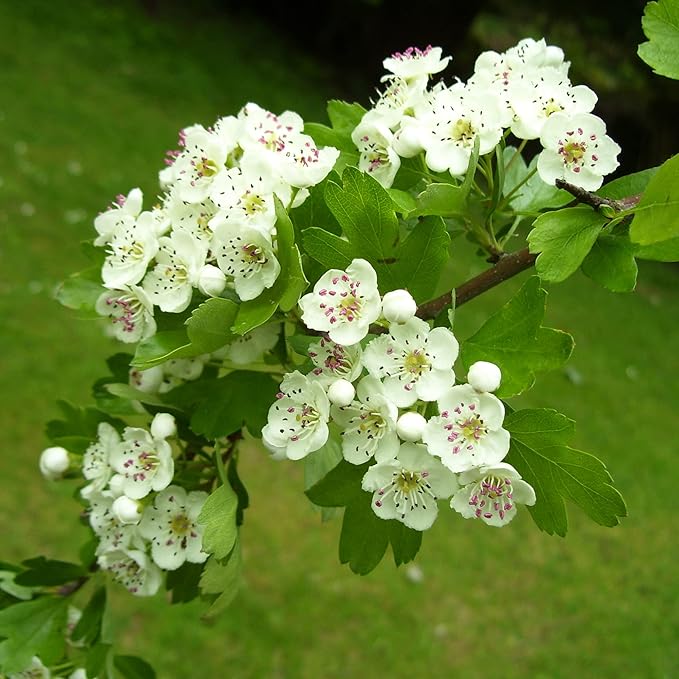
[42,572]
[661,26]
[656,217]
[662,251]
[209,327]
[222,578]
[557,472]
[563,239]
[611,263]
[514,339]
[627,186]
[131,667]
[535,194]
[218,516]
[365,537]
[81,293]
[32,628]
[78,427]
[89,627]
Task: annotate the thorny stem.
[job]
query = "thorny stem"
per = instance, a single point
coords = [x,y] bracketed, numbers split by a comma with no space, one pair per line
[589,198]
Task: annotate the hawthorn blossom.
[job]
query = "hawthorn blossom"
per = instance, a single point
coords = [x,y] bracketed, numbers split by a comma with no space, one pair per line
[468,433]
[414,361]
[130,313]
[334,361]
[416,63]
[377,155]
[194,218]
[343,303]
[251,347]
[133,569]
[302,164]
[400,97]
[111,533]
[171,525]
[145,462]
[263,130]
[407,488]
[577,150]
[368,424]
[298,421]
[247,255]
[120,216]
[96,467]
[179,264]
[491,493]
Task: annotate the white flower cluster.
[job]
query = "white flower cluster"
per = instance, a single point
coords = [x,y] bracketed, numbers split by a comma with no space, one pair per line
[142,522]
[215,223]
[457,453]
[525,90]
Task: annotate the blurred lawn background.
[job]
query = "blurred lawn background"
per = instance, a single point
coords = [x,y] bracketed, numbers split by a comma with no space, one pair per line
[91,96]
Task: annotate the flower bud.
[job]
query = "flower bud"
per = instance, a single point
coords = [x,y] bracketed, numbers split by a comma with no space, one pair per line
[127,511]
[54,462]
[398,306]
[484,376]
[341,393]
[211,280]
[163,426]
[148,381]
[408,141]
[410,426]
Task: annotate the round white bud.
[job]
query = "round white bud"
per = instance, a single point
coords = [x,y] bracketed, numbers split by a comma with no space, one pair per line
[148,381]
[410,426]
[163,426]
[408,141]
[341,392]
[54,462]
[211,280]
[484,376]
[127,510]
[398,306]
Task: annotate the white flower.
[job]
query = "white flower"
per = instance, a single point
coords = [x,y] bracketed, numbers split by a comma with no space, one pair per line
[343,303]
[577,150]
[194,218]
[54,461]
[145,463]
[173,529]
[416,63]
[96,466]
[484,376]
[468,433]
[377,155]
[298,420]
[491,493]
[112,534]
[399,98]
[334,361]
[201,161]
[368,424]
[415,361]
[302,164]
[247,255]
[251,347]
[122,215]
[180,370]
[407,488]
[459,115]
[79,673]
[398,306]
[148,380]
[130,251]
[130,312]
[133,569]
[262,130]
[36,670]
[163,426]
[179,262]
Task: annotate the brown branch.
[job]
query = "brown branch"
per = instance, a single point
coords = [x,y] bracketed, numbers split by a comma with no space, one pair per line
[589,198]
[506,267]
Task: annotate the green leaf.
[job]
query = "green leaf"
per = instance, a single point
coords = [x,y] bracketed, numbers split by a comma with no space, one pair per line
[656,217]
[404,202]
[662,251]
[163,346]
[559,473]
[563,239]
[536,195]
[219,518]
[132,667]
[209,327]
[225,404]
[629,185]
[77,428]
[421,258]
[661,26]
[445,200]
[515,168]
[88,628]
[339,486]
[97,658]
[183,582]
[364,537]
[366,214]
[330,250]
[222,578]
[318,464]
[611,263]
[405,542]
[314,212]
[80,293]
[514,339]
[42,572]
[32,628]
[238,488]
[132,394]
[345,116]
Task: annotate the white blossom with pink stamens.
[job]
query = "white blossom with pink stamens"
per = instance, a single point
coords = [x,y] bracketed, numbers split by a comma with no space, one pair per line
[133,569]
[343,303]
[491,493]
[468,432]
[334,361]
[130,313]
[416,63]
[120,216]
[378,158]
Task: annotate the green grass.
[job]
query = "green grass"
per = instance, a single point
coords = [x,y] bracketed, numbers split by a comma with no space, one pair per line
[91,97]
